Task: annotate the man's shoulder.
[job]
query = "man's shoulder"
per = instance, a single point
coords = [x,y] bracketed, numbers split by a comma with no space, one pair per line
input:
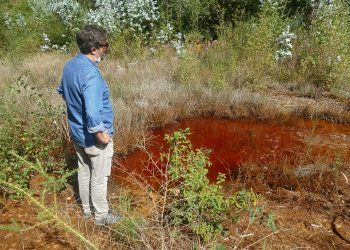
[80,65]
[78,60]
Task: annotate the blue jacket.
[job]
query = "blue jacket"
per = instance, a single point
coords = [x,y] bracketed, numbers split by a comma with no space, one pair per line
[87,98]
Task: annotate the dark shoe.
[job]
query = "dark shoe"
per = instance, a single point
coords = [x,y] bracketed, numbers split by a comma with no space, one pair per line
[109,219]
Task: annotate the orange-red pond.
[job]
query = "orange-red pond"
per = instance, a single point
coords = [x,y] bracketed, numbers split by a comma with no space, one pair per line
[236,142]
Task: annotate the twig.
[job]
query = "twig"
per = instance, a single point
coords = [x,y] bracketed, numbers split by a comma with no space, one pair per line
[263,238]
[37,225]
[346,178]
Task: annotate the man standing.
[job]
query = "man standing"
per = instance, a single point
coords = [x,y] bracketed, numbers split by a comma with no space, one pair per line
[90,118]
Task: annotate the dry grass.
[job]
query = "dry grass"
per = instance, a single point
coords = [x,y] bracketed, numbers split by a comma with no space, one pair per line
[7,74]
[320,178]
[145,94]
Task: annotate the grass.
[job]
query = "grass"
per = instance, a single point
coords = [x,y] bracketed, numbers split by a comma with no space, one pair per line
[146,94]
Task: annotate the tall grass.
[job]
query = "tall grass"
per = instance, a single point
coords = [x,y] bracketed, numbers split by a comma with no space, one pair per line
[242,54]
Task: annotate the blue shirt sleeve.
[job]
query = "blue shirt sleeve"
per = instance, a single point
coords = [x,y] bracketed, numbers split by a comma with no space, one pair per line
[60,89]
[92,90]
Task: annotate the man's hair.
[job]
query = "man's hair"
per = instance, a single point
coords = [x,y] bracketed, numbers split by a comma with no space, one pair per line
[89,37]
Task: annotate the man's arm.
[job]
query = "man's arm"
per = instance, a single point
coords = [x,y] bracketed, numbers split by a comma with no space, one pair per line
[93,97]
[60,89]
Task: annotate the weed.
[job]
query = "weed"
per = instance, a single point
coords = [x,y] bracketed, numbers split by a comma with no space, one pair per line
[28,132]
[191,199]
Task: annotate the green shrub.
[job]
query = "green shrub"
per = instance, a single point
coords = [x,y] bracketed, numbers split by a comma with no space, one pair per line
[19,29]
[29,128]
[188,70]
[220,60]
[126,45]
[192,15]
[255,42]
[324,48]
[23,31]
[128,231]
[192,199]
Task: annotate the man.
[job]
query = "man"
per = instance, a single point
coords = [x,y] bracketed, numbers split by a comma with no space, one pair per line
[90,118]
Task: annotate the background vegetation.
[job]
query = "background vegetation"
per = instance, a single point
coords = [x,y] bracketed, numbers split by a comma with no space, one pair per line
[233,42]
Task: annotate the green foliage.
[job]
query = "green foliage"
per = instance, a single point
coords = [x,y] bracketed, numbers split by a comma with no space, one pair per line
[255,41]
[220,247]
[126,45]
[324,48]
[193,200]
[238,10]
[188,70]
[22,30]
[259,213]
[28,128]
[19,30]
[192,15]
[242,55]
[220,60]
[211,64]
[271,222]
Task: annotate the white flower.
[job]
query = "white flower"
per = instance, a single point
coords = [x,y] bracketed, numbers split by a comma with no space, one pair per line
[137,15]
[44,47]
[285,44]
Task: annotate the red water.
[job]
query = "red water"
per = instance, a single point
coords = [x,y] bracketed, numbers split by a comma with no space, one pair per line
[235,142]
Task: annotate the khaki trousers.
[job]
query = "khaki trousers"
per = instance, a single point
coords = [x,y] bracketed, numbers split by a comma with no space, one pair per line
[95,164]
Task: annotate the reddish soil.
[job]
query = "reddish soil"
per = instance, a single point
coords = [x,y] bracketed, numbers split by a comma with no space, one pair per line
[39,232]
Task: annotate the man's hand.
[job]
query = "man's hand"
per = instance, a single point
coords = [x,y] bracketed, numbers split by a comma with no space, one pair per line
[102,137]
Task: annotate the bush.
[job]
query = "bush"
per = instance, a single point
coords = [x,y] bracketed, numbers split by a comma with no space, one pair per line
[324,47]
[28,128]
[220,60]
[194,15]
[19,30]
[188,70]
[191,199]
[256,40]
[242,55]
